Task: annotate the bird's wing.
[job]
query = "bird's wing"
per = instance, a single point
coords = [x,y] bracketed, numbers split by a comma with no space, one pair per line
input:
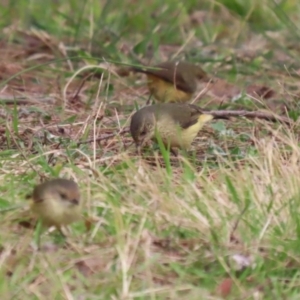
[187,115]
[169,73]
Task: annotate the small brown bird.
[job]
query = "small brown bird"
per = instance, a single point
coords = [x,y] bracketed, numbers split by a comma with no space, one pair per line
[56,202]
[176,123]
[173,81]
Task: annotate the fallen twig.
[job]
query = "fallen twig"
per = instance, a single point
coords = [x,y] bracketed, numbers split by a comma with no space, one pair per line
[250,114]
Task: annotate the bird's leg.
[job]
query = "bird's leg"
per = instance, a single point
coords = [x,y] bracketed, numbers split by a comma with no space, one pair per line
[138,149]
[59,229]
[37,234]
[149,99]
[67,241]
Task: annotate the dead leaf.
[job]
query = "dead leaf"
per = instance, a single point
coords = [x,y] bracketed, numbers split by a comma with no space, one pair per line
[260,91]
[91,265]
[9,69]
[225,287]
[222,90]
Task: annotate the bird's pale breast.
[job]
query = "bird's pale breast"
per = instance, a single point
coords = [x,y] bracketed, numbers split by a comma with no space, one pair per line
[54,211]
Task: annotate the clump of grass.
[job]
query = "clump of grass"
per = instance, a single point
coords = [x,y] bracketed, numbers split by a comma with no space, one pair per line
[158,235]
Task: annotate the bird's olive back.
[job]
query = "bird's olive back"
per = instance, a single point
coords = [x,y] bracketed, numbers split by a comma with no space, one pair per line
[186,75]
[182,74]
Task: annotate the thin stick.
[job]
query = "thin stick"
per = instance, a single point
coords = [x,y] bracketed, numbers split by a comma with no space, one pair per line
[250,115]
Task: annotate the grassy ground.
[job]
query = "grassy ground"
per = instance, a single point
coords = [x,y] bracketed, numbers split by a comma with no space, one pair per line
[220,223]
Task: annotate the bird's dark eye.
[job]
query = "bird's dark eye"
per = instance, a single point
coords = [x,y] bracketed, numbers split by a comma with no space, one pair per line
[143,132]
[63,196]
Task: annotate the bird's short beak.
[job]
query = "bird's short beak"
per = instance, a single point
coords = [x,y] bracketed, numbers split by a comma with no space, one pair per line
[75,201]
